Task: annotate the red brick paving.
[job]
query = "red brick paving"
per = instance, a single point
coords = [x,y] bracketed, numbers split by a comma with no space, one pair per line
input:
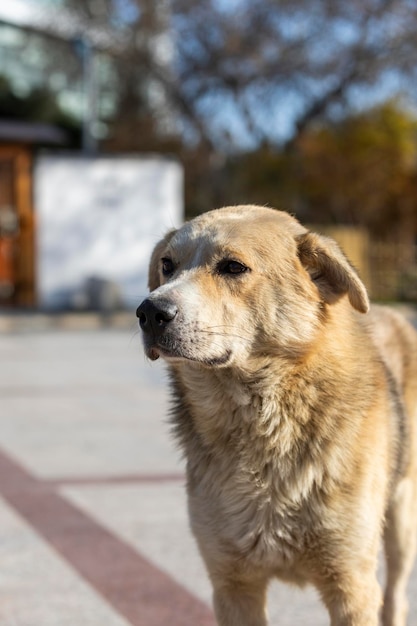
[136,588]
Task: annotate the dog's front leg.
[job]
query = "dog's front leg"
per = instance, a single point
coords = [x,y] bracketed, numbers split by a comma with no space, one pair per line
[353,600]
[240,604]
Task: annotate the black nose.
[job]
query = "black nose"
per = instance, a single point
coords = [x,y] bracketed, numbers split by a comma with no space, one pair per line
[154,316]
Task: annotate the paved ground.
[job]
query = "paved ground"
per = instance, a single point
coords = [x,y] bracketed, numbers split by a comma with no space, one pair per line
[93,524]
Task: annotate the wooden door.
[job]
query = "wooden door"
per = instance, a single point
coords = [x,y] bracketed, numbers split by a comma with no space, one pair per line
[17,273]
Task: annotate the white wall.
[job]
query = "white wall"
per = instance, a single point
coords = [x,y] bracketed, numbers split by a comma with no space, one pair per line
[100,217]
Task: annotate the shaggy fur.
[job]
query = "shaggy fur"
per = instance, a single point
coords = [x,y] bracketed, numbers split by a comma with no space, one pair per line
[296,414]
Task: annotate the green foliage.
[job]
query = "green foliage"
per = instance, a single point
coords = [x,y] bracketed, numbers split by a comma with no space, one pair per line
[39,105]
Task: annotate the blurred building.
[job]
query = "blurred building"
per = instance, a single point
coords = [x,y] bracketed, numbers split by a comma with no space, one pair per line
[97,221]
[76,231]
[18,141]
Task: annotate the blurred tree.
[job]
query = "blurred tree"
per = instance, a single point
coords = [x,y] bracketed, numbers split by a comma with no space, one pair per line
[137,37]
[359,171]
[248,67]
[363,171]
[238,88]
[232,74]
[38,105]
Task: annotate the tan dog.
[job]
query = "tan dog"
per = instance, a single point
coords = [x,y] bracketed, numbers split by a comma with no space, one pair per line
[297,414]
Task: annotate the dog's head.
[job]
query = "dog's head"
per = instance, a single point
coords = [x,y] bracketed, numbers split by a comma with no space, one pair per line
[240,283]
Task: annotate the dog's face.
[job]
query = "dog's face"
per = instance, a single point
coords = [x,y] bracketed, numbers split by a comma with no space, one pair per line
[241,283]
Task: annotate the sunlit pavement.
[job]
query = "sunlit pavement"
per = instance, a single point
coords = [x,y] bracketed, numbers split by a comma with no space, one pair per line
[93,521]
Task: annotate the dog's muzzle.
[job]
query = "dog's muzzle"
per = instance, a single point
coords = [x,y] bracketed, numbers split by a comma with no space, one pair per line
[165,334]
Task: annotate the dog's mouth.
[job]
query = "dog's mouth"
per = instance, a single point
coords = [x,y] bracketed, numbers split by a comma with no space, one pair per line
[218,361]
[179,353]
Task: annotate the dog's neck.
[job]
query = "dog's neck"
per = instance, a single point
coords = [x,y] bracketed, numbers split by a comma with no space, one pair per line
[218,402]
[277,399]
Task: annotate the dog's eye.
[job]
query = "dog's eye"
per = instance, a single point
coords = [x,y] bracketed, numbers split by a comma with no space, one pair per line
[167,266]
[231,267]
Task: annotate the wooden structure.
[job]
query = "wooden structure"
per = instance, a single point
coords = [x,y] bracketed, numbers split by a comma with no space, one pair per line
[387,267]
[17,256]
[18,142]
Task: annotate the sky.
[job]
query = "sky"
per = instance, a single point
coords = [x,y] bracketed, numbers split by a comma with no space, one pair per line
[24,12]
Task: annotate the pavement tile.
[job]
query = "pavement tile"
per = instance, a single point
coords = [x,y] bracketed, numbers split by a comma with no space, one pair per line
[38,587]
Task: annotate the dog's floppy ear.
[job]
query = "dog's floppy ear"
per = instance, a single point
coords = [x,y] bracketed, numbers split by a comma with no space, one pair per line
[331,271]
[153,276]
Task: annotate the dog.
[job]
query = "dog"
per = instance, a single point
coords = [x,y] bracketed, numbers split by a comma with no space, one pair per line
[296,413]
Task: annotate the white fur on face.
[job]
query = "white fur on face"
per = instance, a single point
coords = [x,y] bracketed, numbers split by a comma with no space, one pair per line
[201,331]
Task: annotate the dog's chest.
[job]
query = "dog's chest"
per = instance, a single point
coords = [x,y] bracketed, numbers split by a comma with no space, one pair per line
[250,496]
[250,491]
[246,514]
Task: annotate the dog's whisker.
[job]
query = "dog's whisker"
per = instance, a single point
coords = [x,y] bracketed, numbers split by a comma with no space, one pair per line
[210,331]
[226,335]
